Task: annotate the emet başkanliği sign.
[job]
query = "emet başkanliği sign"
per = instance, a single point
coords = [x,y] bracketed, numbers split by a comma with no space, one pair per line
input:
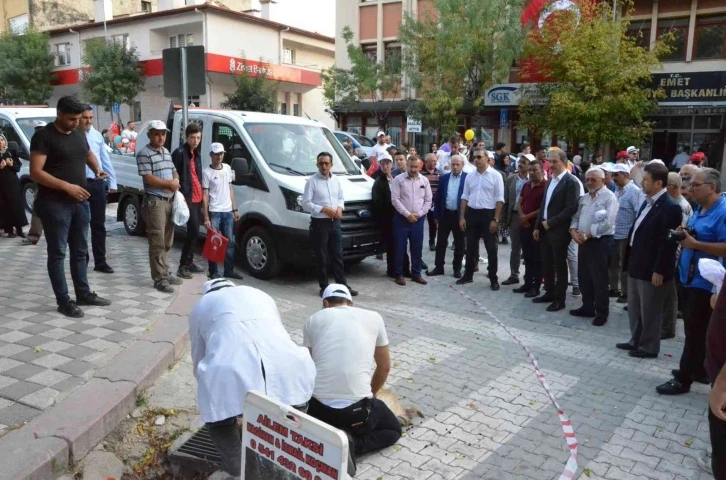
[693,87]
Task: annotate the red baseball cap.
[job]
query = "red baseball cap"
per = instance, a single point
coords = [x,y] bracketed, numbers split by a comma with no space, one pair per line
[622,154]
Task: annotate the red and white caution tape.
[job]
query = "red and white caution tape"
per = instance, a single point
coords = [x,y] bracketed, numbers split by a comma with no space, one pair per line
[567,429]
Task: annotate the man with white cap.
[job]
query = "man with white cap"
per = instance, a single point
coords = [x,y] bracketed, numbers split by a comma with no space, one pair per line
[344,341]
[238,345]
[219,207]
[629,200]
[381,147]
[161,181]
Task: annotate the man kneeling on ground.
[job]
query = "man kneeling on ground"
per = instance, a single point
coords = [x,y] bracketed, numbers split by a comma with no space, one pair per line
[239,344]
[343,340]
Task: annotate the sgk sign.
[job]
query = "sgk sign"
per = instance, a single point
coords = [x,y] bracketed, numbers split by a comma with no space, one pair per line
[503,95]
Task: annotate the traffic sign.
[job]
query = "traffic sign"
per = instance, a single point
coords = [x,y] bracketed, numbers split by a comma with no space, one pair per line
[116,108]
[503,118]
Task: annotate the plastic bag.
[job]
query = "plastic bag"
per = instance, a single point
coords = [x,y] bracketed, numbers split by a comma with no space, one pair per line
[179,210]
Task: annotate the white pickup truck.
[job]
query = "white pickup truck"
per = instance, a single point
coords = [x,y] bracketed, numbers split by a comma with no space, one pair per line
[272,157]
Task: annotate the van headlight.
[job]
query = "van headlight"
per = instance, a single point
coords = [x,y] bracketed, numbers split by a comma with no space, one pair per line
[293,200]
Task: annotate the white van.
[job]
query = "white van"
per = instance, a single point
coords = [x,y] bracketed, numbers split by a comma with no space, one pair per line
[272,157]
[18,126]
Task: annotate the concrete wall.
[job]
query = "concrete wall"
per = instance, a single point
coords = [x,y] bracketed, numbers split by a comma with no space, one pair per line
[254,40]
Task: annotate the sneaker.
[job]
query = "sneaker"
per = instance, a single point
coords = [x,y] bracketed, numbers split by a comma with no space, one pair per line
[27,241]
[163,286]
[576,292]
[183,272]
[483,260]
[70,309]
[173,280]
[93,300]
[194,268]
[234,276]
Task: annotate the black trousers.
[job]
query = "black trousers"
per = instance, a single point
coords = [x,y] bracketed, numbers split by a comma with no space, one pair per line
[717,427]
[382,429]
[532,253]
[449,223]
[477,226]
[385,227]
[327,239]
[593,260]
[190,241]
[696,315]
[554,259]
[97,204]
[431,218]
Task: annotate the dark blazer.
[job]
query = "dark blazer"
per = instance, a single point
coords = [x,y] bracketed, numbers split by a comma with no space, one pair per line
[181,158]
[563,205]
[652,252]
[442,192]
[381,198]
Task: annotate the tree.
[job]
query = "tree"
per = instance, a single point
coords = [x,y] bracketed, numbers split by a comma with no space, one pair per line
[367,80]
[596,78]
[454,56]
[114,74]
[253,93]
[27,68]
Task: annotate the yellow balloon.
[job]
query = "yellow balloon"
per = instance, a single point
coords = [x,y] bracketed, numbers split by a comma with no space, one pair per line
[469,134]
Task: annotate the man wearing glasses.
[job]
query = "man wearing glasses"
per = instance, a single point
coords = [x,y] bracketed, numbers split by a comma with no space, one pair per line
[709,224]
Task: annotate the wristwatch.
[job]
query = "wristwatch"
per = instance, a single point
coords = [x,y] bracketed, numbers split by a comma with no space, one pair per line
[496,220]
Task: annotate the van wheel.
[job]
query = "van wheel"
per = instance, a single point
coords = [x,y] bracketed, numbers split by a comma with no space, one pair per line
[133,223]
[259,254]
[28,191]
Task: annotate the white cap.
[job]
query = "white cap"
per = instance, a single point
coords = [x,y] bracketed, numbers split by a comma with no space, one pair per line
[620,168]
[125,141]
[490,154]
[379,134]
[607,167]
[528,156]
[217,148]
[384,156]
[337,290]
[631,150]
[657,160]
[157,125]
[39,123]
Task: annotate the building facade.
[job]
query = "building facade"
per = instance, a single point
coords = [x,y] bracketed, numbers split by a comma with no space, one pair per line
[693,77]
[233,41]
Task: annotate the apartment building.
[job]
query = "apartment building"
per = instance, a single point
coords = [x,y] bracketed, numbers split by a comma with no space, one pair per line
[294,57]
[694,78]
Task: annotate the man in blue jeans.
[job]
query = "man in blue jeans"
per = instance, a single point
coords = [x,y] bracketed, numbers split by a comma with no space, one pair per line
[59,154]
[220,211]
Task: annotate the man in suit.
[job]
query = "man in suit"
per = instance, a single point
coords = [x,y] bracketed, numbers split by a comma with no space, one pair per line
[447,205]
[512,190]
[553,228]
[650,259]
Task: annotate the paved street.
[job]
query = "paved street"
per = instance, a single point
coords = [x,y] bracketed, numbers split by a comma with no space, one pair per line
[486,414]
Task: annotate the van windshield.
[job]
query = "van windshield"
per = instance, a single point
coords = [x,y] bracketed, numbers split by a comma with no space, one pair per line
[27,125]
[293,149]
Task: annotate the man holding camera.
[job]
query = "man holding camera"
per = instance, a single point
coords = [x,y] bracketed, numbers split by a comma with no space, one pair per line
[704,237]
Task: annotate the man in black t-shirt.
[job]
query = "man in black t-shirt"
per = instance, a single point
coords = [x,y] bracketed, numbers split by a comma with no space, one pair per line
[59,154]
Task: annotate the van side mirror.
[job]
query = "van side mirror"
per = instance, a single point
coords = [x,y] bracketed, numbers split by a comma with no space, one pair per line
[241,169]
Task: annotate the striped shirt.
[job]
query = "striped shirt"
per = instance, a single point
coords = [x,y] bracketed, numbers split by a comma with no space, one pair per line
[433,178]
[157,163]
[629,198]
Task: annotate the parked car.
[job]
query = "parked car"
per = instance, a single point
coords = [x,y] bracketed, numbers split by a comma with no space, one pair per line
[358,141]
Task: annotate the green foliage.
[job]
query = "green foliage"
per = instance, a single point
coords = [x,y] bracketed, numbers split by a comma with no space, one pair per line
[599,88]
[253,93]
[452,58]
[115,75]
[27,68]
[365,81]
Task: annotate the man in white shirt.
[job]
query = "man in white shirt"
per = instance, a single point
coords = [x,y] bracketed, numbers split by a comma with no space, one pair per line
[130,131]
[481,208]
[219,208]
[344,341]
[444,163]
[682,158]
[381,147]
[238,345]
[323,198]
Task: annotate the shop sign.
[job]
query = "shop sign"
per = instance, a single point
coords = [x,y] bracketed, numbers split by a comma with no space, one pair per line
[413,125]
[694,88]
[506,94]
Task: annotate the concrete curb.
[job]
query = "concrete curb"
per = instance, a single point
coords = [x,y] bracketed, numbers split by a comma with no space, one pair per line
[65,433]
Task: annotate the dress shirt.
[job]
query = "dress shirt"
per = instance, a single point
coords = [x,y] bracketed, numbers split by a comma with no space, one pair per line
[322,192]
[629,201]
[468,167]
[235,332]
[483,190]
[377,150]
[554,181]
[520,183]
[680,160]
[452,194]
[650,201]
[411,195]
[444,163]
[98,147]
[585,219]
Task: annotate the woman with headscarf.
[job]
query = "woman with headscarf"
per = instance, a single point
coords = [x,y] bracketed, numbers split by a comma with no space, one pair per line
[12,210]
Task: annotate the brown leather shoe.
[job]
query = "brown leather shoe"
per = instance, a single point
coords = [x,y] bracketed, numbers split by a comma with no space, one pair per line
[419,280]
[400,281]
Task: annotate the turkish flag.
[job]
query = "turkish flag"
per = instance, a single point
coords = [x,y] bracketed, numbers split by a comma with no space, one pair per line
[215,247]
[539,12]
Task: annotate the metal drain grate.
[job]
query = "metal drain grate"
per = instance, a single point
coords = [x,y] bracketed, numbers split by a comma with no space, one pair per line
[198,453]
